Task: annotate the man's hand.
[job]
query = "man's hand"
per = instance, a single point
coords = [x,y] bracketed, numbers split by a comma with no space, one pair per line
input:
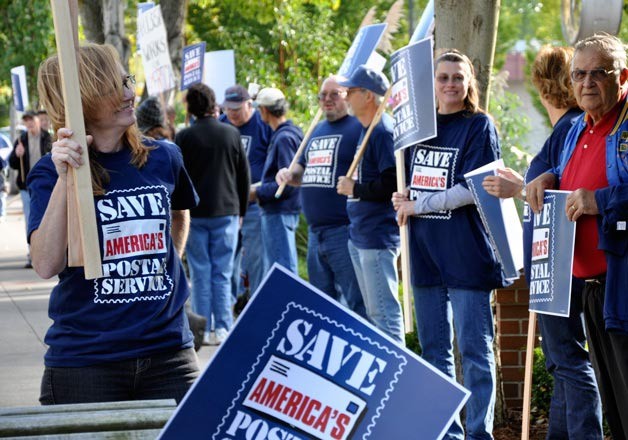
[535,190]
[507,183]
[283,176]
[253,194]
[345,186]
[19,149]
[579,202]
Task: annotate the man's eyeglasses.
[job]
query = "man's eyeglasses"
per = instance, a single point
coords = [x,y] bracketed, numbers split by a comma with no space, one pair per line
[332,95]
[598,75]
[128,81]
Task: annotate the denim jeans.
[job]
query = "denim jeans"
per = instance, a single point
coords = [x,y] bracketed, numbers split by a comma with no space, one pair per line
[376,271]
[575,409]
[26,206]
[330,269]
[438,309]
[161,376]
[210,251]
[252,247]
[279,241]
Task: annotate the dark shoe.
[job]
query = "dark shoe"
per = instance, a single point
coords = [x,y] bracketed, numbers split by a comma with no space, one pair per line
[28,265]
[240,303]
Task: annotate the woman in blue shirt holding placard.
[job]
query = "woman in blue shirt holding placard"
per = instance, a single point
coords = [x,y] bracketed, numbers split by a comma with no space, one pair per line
[453,266]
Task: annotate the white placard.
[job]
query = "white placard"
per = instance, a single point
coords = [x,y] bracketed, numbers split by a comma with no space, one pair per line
[219,72]
[152,36]
[20,89]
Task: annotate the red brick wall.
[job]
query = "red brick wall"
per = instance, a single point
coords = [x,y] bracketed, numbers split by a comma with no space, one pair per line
[512,330]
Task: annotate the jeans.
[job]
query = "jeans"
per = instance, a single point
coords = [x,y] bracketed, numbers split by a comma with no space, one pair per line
[161,376]
[279,241]
[330,269]
[438,309]
[210,251]
[575,409]
[376,271]
[252,247]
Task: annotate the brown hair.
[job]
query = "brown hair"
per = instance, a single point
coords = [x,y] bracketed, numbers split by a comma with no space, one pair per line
[550,76]
[472,101]
[99,83]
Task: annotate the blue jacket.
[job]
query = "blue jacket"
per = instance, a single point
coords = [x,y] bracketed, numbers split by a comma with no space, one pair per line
[611,203]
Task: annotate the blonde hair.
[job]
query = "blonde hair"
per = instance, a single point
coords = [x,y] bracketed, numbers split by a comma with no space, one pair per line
[100,84]
[551,76]
[472,100]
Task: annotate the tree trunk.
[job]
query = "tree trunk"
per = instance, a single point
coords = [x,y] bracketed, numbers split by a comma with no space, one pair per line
[91,17]
[113,29]
[173,12]
[471,27]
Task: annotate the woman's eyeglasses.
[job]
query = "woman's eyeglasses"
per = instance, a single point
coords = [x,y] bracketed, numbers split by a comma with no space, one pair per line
[129,81]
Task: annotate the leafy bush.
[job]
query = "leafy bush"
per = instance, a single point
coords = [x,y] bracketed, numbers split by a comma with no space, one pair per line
[542,387]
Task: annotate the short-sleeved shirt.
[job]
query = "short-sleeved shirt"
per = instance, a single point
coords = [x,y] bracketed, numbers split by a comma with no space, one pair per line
[137,308]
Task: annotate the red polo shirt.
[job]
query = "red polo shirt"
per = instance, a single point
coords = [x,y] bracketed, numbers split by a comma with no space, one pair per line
[587,169]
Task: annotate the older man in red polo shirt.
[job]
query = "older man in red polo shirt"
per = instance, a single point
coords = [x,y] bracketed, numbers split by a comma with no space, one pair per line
[594,164]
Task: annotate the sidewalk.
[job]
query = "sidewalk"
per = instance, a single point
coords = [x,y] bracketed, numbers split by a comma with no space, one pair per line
[24,316]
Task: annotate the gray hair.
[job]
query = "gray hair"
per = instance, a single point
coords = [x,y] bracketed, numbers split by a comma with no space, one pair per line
[608,46]
[278,109]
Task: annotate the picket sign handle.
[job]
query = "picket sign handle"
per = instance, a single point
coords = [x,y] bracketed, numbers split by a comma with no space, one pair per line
[374,122]
[527,384]
[299,152]
[405,247]
[74,119]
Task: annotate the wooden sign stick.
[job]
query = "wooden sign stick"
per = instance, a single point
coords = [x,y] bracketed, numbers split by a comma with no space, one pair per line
[527,384]
[367,135]
[74,120]
[405,247]
[299,152]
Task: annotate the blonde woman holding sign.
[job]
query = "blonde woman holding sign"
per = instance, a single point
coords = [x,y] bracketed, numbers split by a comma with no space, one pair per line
[124,336]
[453,266]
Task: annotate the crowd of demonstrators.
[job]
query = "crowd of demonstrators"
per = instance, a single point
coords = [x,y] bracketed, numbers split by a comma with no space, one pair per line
[575,409]
[218,166]
[327,156]
[454,269]
[373,233]
[280,216]
[124,336]
[594,166]
[255,136]
[28,148]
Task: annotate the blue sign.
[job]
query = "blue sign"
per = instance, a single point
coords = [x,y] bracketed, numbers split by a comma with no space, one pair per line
[362,47]
[18,101]
[413,104]
[299,366]
[501,220]
[553,239]
[192,65]
[426,23]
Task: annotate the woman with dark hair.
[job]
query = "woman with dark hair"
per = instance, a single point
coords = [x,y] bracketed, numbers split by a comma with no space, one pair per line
[453,266]
[124,336]
[575,409]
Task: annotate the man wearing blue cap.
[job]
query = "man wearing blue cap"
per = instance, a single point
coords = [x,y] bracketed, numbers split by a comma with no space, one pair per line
[373,232]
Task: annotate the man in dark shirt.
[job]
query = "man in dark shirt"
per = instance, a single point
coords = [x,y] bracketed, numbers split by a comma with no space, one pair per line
[219,169]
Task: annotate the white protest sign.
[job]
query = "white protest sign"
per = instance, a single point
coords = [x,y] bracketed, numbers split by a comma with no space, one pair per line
[152,36]
[20,90]
[219,72]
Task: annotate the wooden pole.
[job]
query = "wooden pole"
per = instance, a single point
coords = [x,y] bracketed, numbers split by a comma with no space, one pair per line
[405,247]
[367,135]
[299,152]
[74,120]
[527,384]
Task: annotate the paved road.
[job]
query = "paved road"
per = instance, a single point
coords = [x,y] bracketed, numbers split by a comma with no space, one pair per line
[24,316]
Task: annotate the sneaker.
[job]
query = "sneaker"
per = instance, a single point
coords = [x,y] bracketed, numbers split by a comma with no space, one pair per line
[206,340]
[221,335]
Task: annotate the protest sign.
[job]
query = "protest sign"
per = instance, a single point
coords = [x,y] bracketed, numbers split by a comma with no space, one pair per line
[219,72]
[152,36]
[500,219]
[299,366]
[413,104]
[362,47]
[192,65]
[20,89]
[141,8]
[553,238]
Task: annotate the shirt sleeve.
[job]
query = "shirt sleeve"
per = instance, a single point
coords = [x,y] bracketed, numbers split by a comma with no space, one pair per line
[184,195]
[40,183]
[286,146]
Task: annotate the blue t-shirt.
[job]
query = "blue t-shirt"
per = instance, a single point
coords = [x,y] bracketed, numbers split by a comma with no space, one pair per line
[546,159]
[373,224]
[255,135]
[328,155]
[284,144]
[137,308]
[451,248]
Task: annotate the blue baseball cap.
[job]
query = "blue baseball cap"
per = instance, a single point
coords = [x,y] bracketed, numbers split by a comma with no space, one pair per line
[369,79]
